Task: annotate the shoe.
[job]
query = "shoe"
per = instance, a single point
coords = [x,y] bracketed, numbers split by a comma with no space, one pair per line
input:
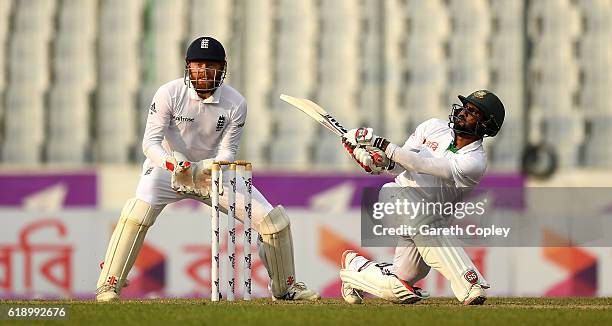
[349,294]
[477,296]
[299,291]
[106,293]
[423,293]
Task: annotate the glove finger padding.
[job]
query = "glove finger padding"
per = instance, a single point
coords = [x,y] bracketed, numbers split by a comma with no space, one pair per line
[378,156]
[350,149]
[366,160]
[363,156]
[182,178]
[182,173]
[202,175]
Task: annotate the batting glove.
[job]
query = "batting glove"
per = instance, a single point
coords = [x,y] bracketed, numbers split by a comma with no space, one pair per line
[366,161]
[365,137]
[374,158]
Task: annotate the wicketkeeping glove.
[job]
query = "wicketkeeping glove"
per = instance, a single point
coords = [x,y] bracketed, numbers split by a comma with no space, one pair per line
[180,167]
[176,162]
[191,179]
[202,174]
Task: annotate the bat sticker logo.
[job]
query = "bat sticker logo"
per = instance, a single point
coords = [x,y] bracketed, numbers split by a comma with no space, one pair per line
[335,123]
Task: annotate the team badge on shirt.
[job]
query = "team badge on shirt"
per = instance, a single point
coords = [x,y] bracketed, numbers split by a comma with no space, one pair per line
[221,123]
[431,144]
[152,108]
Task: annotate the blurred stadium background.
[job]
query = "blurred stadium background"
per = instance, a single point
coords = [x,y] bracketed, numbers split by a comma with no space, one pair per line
[77,77]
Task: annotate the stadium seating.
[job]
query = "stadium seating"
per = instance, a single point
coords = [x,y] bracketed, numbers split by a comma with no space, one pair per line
[330,155]
[597,150]
[166,38]
[115,121]
[565,132]
[5,19]
[74,78]
[337,66]
[68,117]
[507,147]
[291,153]
[294,46]
[24,126]
[212,18]
[420,15]
[27,80]
[73,65]
[258,78]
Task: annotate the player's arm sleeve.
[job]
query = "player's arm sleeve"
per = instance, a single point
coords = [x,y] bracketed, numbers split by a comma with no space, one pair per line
[468,171]
[412,144]
[231,137]
[158,120]
[463,171]
[409,160]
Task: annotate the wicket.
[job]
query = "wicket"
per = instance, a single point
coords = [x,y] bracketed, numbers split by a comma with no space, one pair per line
[217,185]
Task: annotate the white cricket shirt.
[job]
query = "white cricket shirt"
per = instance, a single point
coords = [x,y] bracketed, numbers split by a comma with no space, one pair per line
[179,120]
[431,163]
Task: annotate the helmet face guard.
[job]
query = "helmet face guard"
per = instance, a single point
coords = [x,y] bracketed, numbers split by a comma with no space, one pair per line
[205,49]
[482,128]
[491,109]
[201,75]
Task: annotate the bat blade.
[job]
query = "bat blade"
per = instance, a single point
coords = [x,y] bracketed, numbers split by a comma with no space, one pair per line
[316,112]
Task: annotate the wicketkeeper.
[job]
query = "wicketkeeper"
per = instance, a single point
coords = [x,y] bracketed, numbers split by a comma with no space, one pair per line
[192,122]
[441,159]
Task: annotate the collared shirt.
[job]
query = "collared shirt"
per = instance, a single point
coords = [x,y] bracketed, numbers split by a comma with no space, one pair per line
[432,139]
[179,120]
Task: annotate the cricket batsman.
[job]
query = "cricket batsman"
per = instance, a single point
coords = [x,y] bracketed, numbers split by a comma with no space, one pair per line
[192,122]
[443,160]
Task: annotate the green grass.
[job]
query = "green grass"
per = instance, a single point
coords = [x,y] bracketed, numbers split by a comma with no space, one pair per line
[498,311]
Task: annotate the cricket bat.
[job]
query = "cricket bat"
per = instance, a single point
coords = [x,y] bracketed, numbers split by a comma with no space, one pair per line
[316,112]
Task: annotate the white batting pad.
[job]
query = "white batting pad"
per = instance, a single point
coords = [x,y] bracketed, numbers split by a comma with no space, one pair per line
[373,280]
[277,245]
[127,238]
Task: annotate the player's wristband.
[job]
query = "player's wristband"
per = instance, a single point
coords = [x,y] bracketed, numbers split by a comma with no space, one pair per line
[380,143]
[390,150]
